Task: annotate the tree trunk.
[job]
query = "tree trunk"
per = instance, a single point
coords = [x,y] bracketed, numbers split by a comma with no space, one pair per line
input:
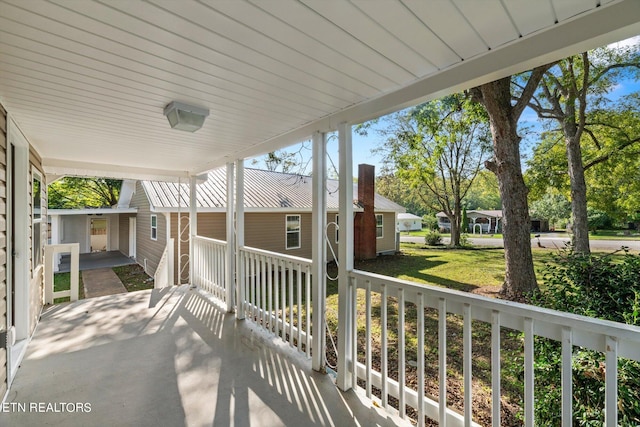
[520,278]
[580,222]
[455,231]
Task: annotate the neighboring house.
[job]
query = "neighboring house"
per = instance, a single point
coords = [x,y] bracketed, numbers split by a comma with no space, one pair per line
[487,222]
[277,216]
[409,222]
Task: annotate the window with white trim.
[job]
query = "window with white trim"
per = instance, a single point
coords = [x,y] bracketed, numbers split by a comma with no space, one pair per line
[36,219]
[379,226]
[154,227]
[293,225]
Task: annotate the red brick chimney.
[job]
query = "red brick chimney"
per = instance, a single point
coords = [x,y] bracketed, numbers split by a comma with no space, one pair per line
[365,221]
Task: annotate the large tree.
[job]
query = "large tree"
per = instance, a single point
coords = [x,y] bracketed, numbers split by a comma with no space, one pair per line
[391,186]
[611,166]
[484,193]
[439,147]
[573,94]
[73,192]
[504,102]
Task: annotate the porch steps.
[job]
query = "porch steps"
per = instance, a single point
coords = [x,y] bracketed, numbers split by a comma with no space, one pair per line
[101,282]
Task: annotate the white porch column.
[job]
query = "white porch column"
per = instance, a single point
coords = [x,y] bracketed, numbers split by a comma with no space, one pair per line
[231,245]
[319,248]
[239,237]
[193,221]
[345,260]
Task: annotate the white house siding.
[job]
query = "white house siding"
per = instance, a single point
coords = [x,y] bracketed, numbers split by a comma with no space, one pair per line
[3,246]
[148,252]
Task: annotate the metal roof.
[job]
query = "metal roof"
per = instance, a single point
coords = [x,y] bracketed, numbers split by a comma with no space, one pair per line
[264,190]
[87,81]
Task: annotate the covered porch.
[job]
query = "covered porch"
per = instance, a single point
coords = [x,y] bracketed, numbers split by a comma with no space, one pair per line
[86,84]
[171,357]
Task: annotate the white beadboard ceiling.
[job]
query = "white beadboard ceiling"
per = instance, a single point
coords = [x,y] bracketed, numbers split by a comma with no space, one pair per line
[86,81]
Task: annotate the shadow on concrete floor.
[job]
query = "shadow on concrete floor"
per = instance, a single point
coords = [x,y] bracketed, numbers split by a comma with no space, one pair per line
[173,358]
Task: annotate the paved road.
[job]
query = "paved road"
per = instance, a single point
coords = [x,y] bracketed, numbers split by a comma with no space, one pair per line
[546,240]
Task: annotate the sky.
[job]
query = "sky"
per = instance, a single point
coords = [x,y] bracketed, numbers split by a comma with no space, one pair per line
[364,146]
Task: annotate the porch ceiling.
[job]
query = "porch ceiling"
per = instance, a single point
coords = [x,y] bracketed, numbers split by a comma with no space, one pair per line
[87,81]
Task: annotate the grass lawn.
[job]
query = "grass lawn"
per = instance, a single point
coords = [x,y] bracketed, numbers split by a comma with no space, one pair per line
[133,278]
[472,270]
[599,235]
[62,282]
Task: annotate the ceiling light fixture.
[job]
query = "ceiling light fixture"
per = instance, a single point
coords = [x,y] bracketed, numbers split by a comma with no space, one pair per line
[185,117]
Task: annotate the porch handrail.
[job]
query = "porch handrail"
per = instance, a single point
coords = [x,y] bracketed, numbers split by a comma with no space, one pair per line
[271,282]
[50,252]
[209,266]
[163,277]
[613,339]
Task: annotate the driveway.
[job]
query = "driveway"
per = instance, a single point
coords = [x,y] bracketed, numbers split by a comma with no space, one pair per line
[550,241]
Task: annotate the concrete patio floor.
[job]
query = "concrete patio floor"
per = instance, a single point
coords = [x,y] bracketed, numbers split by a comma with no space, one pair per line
[170,358]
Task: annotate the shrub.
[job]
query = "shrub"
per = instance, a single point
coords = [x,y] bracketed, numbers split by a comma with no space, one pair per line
[433,238]
[430,222]
[601,286]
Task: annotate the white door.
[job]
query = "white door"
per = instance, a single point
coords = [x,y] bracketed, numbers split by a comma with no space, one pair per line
[132,237]
[99,232]
[17,245]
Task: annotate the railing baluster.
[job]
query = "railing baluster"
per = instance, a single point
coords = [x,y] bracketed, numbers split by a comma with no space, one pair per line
[401,356]
[283,298]
[247,283]
[290,290]
[276,296]
[353,283]
[567,378]
[299,292]
[420,360]
[307,285]
[254,286]
[270,292]
[442,356]
[263,290]
[467,366]
[528,373]
[611,382]
[495,369]
[368,337]
[384,369]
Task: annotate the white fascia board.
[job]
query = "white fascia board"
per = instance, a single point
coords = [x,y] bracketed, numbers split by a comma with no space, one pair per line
[96,211]
[606,24]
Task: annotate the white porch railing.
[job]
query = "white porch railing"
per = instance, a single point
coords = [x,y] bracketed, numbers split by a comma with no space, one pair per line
[274,291]
[50,261]
[277,294]
[209,266]
[613,339]
[163,277]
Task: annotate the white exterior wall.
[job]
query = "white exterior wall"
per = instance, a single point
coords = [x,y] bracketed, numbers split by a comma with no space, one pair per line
[75,229]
